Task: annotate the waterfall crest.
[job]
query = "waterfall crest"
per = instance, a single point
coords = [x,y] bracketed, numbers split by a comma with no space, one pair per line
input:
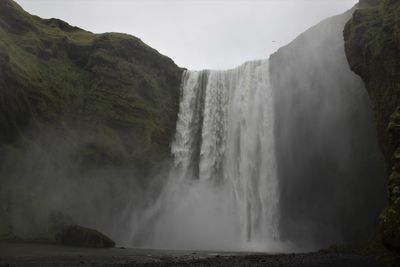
[222,191]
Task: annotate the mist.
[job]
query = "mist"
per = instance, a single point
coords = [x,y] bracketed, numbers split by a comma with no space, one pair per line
[330,165]
[40,180]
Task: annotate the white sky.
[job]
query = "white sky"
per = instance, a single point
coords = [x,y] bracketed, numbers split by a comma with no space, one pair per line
[197,34]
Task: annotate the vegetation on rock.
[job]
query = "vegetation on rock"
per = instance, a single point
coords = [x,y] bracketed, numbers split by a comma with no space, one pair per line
[74,103]
[372,46]
[111,85]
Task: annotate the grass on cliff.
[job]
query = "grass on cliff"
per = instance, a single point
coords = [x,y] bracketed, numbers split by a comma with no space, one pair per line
[379,24]
[106,82]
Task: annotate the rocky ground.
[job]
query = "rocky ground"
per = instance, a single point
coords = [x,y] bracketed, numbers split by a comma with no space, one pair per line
[48,255]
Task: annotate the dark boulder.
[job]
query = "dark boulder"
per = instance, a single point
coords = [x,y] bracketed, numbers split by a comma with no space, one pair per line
[75,235]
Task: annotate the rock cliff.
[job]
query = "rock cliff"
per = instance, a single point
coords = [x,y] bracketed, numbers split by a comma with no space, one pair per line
[78,111]
[373,51]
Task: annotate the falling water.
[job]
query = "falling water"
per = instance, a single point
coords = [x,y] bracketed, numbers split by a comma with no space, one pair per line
[222,192]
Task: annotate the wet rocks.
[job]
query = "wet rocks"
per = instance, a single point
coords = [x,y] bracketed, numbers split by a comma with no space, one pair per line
[75,235]
[67,232]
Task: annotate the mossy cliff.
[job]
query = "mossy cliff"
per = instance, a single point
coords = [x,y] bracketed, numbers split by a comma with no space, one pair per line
[112,86]
[77,111]
[372,44]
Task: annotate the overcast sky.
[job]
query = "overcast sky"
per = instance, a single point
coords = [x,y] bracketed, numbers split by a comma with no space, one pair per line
[197,34]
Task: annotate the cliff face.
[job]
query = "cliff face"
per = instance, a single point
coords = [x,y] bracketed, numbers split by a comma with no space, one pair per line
[56,74]
[73,106]
[329,162]
[373,51]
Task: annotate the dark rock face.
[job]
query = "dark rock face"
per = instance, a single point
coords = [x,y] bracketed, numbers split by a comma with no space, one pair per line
[75,235]
[329,164]
[373,52]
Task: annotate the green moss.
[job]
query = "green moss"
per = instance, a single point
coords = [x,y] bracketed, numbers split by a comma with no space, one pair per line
[57,74]
[373,51]
[76,105]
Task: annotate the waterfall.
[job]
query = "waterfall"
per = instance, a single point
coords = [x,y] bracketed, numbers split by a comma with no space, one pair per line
[301,118]
[222,192]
